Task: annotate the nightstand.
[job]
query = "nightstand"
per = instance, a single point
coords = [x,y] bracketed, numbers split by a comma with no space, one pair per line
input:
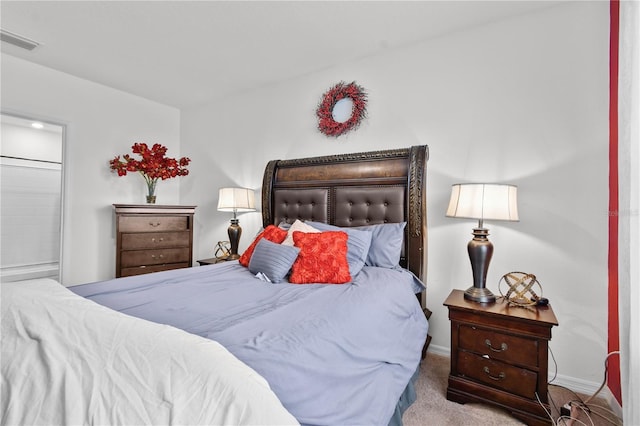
[499,356]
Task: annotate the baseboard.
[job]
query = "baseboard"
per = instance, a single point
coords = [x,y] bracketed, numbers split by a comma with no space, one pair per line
[577,385]
[439,350]
[29,272]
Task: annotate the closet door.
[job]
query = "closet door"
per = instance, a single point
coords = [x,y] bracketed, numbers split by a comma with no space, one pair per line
[31,199]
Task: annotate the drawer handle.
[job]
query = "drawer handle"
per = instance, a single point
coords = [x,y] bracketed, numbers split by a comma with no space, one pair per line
[153,256]
[154,224]
[153,240]
[500,376]
[503,346]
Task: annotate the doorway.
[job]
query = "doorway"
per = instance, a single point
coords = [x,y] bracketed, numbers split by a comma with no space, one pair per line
[31,166]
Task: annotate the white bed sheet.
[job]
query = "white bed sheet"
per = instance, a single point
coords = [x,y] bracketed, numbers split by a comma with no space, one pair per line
[67,360]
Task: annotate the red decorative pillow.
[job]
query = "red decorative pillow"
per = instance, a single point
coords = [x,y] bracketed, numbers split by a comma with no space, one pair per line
[271,233]
[322,258]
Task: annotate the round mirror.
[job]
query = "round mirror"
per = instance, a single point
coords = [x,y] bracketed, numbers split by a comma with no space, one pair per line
[342,110]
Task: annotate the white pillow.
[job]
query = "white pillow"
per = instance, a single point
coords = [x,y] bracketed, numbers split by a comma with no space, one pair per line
[298,225]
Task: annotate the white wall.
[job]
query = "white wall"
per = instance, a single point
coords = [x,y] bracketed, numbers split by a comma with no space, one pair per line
[100,123]
[523,101]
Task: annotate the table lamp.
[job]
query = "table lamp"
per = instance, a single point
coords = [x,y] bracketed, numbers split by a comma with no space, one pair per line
[235,200]
[482,201]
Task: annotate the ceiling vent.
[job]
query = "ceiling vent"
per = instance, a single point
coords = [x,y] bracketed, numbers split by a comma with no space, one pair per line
[17,40]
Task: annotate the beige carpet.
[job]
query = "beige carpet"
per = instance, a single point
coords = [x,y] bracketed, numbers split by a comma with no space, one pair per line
[432,407]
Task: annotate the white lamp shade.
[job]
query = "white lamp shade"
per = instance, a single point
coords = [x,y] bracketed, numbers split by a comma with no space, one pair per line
[484,201]
[236,199]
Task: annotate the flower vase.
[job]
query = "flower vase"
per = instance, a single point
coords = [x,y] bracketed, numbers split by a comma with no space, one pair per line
[151,194]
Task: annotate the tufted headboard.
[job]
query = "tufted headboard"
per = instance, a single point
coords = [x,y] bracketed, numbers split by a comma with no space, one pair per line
[352,190]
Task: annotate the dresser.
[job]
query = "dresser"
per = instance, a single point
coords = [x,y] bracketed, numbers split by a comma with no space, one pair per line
[499,356]
[152,238]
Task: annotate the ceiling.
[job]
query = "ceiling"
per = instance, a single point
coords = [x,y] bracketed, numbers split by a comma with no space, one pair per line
[186,53]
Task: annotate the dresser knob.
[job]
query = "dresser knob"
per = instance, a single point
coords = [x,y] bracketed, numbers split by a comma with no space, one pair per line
[503,346]
[500,376]
[154,224]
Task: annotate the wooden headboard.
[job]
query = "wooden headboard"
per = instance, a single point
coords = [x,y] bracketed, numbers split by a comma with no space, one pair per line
[353,190]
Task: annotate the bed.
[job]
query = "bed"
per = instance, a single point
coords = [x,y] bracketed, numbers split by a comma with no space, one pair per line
[332,354]
[68,361]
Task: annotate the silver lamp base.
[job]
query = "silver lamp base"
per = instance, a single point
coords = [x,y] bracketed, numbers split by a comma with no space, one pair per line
[479,295]
[234,231]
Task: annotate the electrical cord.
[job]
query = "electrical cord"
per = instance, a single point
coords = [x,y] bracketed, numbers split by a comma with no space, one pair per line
[556,422]
[578,404]
[553,402]
[555,366]
[555,374]
[602,407]
[606,374]
[568,390]
[586,406]
[586,412]
[614,421]
[555,406]
[544,408]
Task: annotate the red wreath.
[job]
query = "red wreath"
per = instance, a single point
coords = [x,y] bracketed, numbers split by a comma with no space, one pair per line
[326,123]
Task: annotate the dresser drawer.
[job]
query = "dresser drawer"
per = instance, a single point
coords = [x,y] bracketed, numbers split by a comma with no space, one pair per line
[139,270]
[153,240]
[154,257]
[500,346]
[149,223]
[515,380]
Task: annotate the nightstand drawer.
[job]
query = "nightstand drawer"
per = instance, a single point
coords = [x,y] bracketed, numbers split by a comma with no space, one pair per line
[152,240]
[504,347]
[518,381]
[153,223]
[153,257]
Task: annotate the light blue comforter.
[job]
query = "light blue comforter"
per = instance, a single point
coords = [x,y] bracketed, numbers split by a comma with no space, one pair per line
[333,354]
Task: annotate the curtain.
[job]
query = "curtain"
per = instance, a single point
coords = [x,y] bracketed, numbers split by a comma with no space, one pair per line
[629,208]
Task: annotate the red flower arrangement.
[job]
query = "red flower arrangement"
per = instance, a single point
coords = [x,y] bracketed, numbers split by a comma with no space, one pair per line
[326,122]
[153,166]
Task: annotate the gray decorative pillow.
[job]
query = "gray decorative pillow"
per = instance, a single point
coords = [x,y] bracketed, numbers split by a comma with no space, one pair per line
[358,243]
[273,260]
[386,244]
